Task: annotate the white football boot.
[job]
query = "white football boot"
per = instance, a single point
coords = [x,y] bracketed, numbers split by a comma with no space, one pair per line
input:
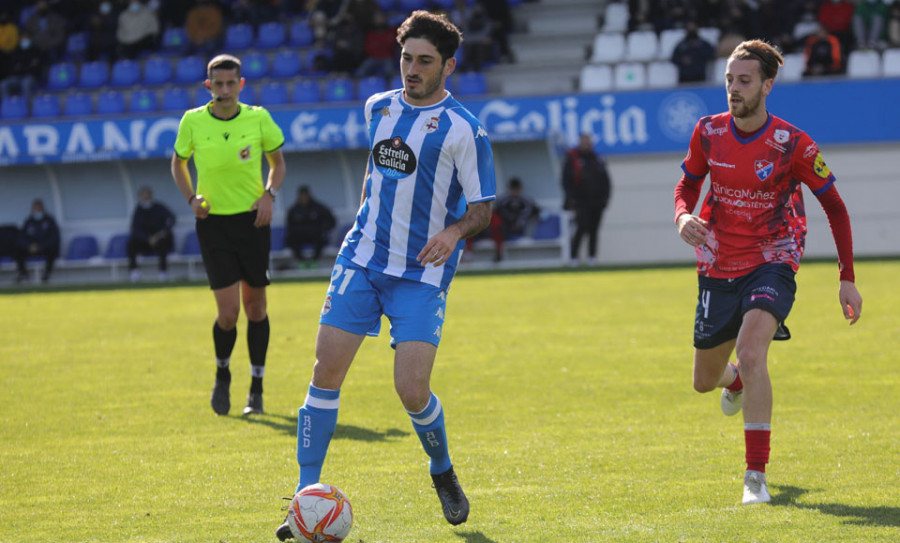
[755,489]
[732,401]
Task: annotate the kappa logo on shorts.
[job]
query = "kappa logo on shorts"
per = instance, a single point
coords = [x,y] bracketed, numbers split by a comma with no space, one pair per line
[245,154]
[437,332]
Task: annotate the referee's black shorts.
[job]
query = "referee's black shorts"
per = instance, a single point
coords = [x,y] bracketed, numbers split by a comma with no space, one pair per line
[233,249]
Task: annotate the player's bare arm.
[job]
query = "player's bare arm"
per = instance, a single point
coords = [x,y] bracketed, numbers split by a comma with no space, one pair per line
[439,248]
[182,177]
[692,229]
[264,204]
[851,301]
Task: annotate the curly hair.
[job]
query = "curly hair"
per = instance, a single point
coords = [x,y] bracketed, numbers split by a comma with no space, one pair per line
[437,29]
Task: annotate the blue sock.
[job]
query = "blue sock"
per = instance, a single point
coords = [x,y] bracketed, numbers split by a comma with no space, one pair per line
[316,421]
[429,424]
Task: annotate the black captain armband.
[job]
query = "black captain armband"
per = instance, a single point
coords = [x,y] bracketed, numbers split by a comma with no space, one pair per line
[192,198]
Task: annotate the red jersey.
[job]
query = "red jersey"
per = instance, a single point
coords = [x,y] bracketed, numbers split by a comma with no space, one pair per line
[755,203]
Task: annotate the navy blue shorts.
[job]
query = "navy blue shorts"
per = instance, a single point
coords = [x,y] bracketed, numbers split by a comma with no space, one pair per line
[721,303]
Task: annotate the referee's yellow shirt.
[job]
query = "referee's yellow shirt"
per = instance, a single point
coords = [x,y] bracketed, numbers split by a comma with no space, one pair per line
[228,154]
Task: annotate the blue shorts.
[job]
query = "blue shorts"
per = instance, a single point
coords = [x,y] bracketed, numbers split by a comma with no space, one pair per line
[722,303]
[357,298]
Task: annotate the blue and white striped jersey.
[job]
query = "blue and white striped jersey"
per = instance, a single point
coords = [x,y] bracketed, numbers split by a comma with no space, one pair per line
[425,164]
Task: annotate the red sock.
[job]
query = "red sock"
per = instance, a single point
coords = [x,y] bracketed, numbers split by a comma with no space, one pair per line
[757,445]
[737,384]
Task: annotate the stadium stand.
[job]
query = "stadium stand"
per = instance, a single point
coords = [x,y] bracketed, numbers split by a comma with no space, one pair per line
[301,35]
[93,74]
[273,93]
[286,63]
[469,83]
[79,104]
[629,76]
[14,107]
[339,89]
[125,73]
[175,99]
[62,76]
[46,105]
[142,101]
[254,65]
[190,69]
[368,86]
[82,247]
[863,64]
[306,91]
[238,37]
[111,102]
[271,35]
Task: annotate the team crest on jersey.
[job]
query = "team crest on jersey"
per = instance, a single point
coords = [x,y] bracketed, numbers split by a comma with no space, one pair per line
[245,153]
[763,169]
[430,125]
[394,158]
[326,307]
[781,136]
[821,168]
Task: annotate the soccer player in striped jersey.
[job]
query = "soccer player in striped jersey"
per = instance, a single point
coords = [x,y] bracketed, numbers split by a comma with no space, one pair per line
[429,184]
[749,238]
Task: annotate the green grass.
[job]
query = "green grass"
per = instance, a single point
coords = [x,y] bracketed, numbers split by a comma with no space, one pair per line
[568,400]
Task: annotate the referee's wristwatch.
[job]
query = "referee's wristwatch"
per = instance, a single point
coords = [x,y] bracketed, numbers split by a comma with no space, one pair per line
[272,192]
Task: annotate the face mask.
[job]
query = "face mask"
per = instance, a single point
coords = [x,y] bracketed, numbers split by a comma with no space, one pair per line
[135,6]
[37,215]
[105,8]
[146,205]
[25,44]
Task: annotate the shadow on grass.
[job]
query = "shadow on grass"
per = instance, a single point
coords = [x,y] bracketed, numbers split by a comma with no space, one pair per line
[288,425]
[861,516]
[474,537]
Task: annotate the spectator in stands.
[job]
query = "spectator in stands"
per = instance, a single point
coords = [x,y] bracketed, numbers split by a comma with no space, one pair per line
[364,12]
[822,52]
[102,32]
[730,38]
[203,26]
[768,20]
[837,17]
[347,45]
[309,223]
[24,69]
[478,47]
[587,188]
[380,49]
[9,40]
[151,233]
[869,24]
[138,29]
[692,55]
[512,214]
[47,30]
[500,14]
[324,14]
[38,237]
[894,25]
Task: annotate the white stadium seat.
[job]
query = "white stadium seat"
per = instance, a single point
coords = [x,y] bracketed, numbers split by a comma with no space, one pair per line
[629,76]
[662,74]
[596,77]
[803,29]
[668,40]
[641,46]
[710,34]
[794,64]
[609,48]
[716,72]
[615,17]
[863,64]
[890,63]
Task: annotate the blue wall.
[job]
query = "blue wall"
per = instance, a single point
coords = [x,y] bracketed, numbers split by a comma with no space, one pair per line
[840,111]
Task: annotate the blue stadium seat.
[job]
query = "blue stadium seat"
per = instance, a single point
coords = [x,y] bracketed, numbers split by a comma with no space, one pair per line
[408,6]
[82,247]
[445,4]
[157,70]
[273,93]
[254,65]
[79,104]
[61,75]
[111,102]
[277,239]
[14,107]
[125,73]
[319,61]
[547,228]
[201,97]
[142,100]
[471,83]
[339,89]
[397,82]
[175,99]
[306,91]
[191,246]
[190,69]
[94,74]
[117,247]
[238,37]
[286,63]
[174,41]
[387,6]
[271,35]
[248,94]
[301,34]
[45,105]
[76,46]
[367,86]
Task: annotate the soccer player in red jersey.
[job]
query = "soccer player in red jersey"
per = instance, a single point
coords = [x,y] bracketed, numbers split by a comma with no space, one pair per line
[749,238]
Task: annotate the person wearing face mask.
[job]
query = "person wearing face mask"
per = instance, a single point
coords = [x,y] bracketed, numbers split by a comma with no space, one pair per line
[39,236]
[138,29]
[692,55]
[24,69]
[102,32]
[151,233]
[47,30]
[869,24]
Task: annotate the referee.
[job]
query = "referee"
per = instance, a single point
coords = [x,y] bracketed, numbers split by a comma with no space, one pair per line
[227,140]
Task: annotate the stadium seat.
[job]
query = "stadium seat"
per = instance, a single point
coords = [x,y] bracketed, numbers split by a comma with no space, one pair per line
[710,34]
[271,35]
[117,248]
[273,93]
[111,102]
[79,104]
[142,101]
[45,105]
[367,86]
[547,228]
[301,35]
[76,46]
[641,46]
[61,75]
[201,97]
[157,70]
[717,71]
[629,76]
[595,78]
[662,74]
[339,89]
[615,17]
[254,65]
[863,64]
[306,91]
[191,246]
[248,94]
[387,6]
[238,37]
[609,48]
[175,99]
[396,82]
[286,63]
[804,29]
[277,233]
[190,69]
[82,247]
[319,61]
[14,107]
[470,83]
[125,73]
[890,60]
[668,40]
[93,74]
[174,41]
[794,65]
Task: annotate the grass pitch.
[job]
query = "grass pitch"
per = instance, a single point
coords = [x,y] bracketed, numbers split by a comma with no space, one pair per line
[568,402]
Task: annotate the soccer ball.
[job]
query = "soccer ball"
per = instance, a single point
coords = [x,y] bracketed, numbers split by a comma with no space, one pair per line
[320,513]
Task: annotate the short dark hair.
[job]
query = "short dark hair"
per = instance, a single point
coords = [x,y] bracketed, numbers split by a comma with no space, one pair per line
[768,56]
[223,62]
[437,29]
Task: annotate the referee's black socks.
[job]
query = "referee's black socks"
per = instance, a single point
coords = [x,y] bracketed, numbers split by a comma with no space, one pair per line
[224,343]
[258,345]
